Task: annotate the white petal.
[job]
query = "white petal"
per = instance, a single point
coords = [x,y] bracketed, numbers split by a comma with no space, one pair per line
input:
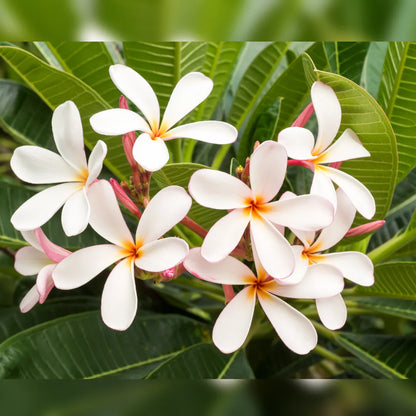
[83,265]
[162,254]
[138,90]
[29,261]
[347,147]
[68,135]
[323,186]
[305,212]
[30,237]
[34,164]
[168,207]
[76,213]
[320,281]
[301,265]
[151,154]
[44,282]
[30,300]
[328,114]
[105,217]
[189,92]
[225,235]
[95,162]
[298,142]
[219,190]
[344,216]
[233,323]
[267,170]
[119,299]
[229,271]
[210,131]
[355,266]
[274,251]
[332,311]
[42,206]
[358,194]
[293,328]
[118,121]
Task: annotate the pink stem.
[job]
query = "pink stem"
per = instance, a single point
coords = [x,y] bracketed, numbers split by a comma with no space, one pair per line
[228,293]
[53,251]
[365,228]
[305,163]
[192,225]
[124,199]
[304,116]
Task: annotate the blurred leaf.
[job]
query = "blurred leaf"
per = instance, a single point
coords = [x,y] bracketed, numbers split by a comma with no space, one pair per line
[396,307]
[373,67]
[396,97]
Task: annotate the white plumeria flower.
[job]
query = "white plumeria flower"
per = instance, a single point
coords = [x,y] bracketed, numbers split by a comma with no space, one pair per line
[40,258]
[300,144]
[233,323]
[353,265]
[37,165]
[220,190]
[150,150]
[146,251]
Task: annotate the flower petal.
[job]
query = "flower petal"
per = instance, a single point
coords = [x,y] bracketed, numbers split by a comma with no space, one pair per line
[83,265]
[119,299]
[95,162]
[224,235]
[233,323]
[328,113]
[44,282]
[323,186]
[298,142]
[229,271]
[34,164]
[138,90]
[293,328]
[332,311]
[267,170]
[118,121]
[68,135]
[320,281]
[31,238]
[76,213]
[358,194]
[188,93]
[209,131]
[151,154]
[168,207]
[30,300]
[305,212]
[273,250]
[347,147]
[353,265]
[29,261]
[162,254]
[105,217]
[218,190]
[53,251]
[301,266]
[42,206]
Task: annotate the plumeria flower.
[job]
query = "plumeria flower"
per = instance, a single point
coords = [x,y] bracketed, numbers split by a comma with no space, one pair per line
[233,323]
[220,190]
[146,251]
[150,150]
[300,144]
[40,258]
[353,265]
[36,165]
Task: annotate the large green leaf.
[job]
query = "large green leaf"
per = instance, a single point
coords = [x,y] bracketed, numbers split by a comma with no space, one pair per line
[397,98]
[55,87]
[396,307]
[373,67]
[393,280]
[81,346]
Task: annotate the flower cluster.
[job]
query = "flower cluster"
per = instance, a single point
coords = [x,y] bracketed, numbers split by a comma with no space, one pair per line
[286,235]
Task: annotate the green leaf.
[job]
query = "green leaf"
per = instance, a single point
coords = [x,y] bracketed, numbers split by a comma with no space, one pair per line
[393,280]
[397,98]
[396,307]
[373,67]
[55,87]
[391,356]
[81,346]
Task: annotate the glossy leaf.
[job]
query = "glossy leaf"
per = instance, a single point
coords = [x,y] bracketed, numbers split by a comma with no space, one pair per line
[373,67]
[396,307]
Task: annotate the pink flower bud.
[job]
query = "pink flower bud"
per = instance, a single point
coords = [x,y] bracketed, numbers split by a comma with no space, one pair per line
[123,103]
[168,274]
[124,199]
[128,143]
[228,293]
[335,165]
[365,228]
[304,116]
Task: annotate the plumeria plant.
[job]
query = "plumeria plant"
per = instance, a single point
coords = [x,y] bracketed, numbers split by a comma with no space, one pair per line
[245,233]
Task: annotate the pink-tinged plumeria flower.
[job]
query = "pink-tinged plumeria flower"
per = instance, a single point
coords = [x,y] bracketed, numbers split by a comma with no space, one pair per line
[233,323]
[219,190]
[150,150]
[40,258]
[36,165]
[146,251]
[300,145]
[353,265]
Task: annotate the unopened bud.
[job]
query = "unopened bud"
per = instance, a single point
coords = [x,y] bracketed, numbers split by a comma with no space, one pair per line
[123,103]
[335,165]
[365,228]
[256,145]
[124,199]
[304,116]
